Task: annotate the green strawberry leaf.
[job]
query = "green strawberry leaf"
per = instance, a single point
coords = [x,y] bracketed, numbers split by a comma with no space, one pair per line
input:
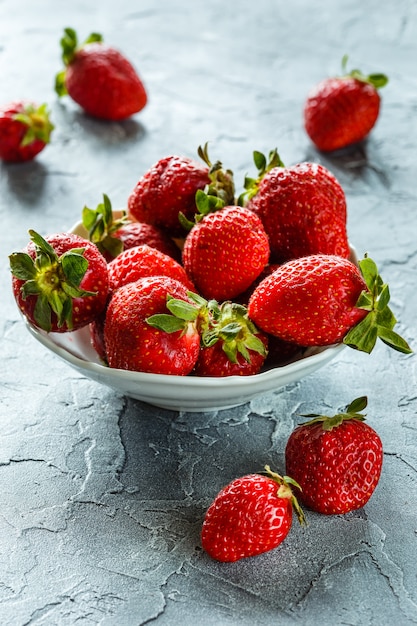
[167,323]
[357,405]
[69,43]
[74,266]
[363,336]
[380,320]
[182,309]
[59,86]
[22,266]
[93,38]
[328,422]
[42,313]
[393,340]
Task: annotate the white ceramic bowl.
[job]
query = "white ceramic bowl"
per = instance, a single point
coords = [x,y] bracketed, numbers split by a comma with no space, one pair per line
[179,393]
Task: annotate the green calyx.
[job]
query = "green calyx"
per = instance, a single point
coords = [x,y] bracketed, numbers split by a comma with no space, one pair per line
[285,484]
[377,80]
[380,321]
[228,323]
[205,204]
[231,325]
[55,281]
[221,180]
[352,411]
[69,47]
[218,193]
[101,226]
[263,165]
[39,125]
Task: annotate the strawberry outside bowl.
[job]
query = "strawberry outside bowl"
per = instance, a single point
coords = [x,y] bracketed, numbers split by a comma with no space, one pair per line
[179,393]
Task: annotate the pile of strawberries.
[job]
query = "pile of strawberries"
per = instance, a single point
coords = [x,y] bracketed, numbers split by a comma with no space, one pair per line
[194,279]
[190,280]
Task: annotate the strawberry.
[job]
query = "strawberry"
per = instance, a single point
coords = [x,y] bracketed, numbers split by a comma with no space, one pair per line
[342,111]
[113,234]
[249,516]
[336,461]
[324,299]
[212,253]
[169,187]
[25,129]
[131,343]
[302,208]
[60,283]
[142,261]
[99,78]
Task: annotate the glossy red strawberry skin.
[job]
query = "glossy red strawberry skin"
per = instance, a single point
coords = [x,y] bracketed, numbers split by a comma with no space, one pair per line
[85,309]
[165,190]
[12,133]
[132,344]
[303,210]
[104,83]
[213,361]
[225,252]
[135,234]
[309,301]
[246,518]
[341,111]
[338,469]
[143,261]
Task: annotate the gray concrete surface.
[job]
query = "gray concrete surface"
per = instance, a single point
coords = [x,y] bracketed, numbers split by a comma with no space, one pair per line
[102,497]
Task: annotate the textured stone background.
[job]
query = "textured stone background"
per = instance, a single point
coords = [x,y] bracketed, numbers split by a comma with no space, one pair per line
[102,497]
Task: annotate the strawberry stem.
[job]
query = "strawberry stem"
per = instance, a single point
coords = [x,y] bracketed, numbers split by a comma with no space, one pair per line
[101,225]
[263,165]
[352,411]
[221,181]
[285,491]
[380,321]
[377,80]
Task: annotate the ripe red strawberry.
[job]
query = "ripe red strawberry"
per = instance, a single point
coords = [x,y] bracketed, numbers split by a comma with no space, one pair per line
[225,252]
[99,78]
[60,283]
[337,460]
[302,208]
[324,299]
[114,232]
[341,111]
[142,261]
[131,343]
[25,129]
[251,515]
[169,187]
